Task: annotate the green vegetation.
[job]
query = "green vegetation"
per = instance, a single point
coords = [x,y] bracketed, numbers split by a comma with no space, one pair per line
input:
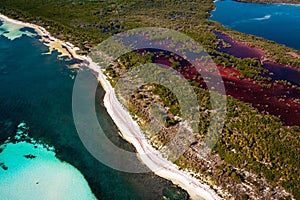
[252,141]
[262,145]
[127,61]
[255,142]
[248,67]
[86,23]
[258,143]
[168,98]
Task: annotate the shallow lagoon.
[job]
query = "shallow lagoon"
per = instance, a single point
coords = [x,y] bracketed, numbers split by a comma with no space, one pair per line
[30,169]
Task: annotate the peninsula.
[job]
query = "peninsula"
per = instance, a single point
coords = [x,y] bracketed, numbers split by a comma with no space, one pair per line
[257,155]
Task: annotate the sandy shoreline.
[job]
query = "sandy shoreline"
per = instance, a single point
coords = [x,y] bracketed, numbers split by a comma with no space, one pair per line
[65,48]
[121,116]
[147,153]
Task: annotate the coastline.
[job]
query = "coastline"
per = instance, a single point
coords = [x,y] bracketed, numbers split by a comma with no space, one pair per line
[120,116]
[65,48]
[148,155]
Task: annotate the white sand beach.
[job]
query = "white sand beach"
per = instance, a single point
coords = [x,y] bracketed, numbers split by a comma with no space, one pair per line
[64,48]
[152,158]
[148,155]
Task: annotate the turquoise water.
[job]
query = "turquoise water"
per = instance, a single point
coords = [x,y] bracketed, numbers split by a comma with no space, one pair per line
[33,169]
[37,89]
[280,23]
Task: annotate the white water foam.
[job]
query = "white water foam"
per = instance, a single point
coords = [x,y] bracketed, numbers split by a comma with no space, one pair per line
[266,17]
[13,31]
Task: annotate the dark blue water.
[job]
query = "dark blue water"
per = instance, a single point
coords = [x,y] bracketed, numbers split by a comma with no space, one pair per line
[37,89]
[280,23]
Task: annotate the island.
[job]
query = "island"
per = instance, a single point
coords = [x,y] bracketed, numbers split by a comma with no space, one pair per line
[257,155]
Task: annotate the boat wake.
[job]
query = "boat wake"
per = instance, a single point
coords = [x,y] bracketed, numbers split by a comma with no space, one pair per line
[266,17]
